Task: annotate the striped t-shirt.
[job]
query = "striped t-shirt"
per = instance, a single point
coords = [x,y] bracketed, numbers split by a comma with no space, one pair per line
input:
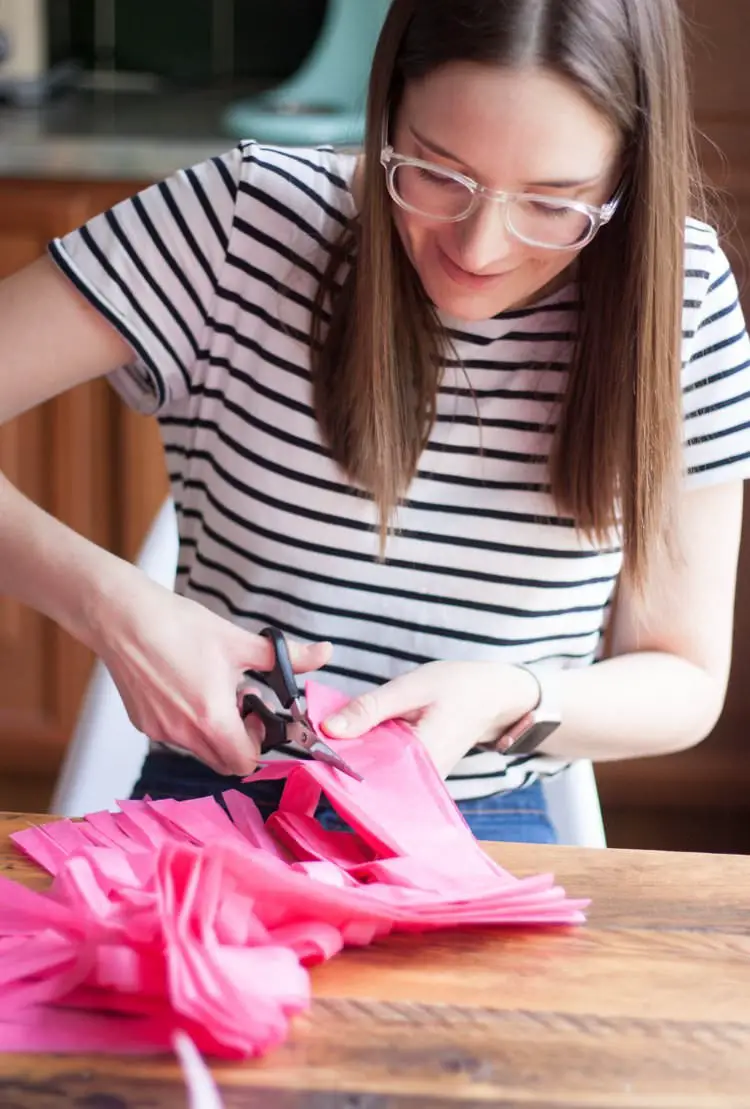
[210,277]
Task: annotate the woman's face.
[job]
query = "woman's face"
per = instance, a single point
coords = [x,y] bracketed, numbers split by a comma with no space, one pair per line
[517,131]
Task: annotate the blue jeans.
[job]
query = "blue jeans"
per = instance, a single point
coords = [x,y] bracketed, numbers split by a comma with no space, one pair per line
[517,816]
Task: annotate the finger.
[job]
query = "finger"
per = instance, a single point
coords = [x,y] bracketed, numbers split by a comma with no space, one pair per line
[310,656]
[255,730]
[400,697]
[257,653]
[235,745]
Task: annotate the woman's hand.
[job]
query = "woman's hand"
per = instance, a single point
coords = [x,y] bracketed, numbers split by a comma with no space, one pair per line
[452,706]
[178,667]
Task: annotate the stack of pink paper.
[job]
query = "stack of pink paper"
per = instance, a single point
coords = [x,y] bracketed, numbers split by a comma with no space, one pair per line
[168,915]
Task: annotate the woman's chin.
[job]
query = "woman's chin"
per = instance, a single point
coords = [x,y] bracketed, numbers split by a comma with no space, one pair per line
[469,306]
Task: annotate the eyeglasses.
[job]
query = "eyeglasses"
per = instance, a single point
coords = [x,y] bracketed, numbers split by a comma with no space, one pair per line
[443,194]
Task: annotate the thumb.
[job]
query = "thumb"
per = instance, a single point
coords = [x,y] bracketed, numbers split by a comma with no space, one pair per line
[399,697]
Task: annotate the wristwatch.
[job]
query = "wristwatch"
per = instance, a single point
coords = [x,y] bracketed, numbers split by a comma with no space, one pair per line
[538,724]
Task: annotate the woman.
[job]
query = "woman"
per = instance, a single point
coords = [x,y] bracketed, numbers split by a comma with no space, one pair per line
[426,405]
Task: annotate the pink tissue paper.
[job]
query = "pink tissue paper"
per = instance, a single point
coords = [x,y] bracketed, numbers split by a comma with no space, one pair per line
[172,917]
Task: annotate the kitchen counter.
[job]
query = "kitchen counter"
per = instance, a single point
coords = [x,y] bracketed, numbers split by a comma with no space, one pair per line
[114,136]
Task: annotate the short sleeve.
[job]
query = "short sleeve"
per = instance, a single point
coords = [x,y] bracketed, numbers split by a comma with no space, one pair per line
[151,266]
[716,367]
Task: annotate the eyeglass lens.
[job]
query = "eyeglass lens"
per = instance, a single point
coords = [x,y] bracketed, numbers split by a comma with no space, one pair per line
[441,196]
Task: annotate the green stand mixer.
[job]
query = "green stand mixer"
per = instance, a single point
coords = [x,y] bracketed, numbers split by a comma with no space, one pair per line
[324,101]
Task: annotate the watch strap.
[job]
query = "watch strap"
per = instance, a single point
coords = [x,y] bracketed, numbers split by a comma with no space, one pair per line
[539,723]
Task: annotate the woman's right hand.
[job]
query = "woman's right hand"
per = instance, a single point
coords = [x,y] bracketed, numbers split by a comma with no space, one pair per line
[177,666]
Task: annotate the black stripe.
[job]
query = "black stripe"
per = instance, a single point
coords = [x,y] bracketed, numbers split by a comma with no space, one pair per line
[334,178]
[186,233]
[716,463]
[278,247]
[223,171]
[486,452]
[154,285]
[503,364]
[297,632]
[721,433]
[301,372]
[297,512]
[700,246]
[718,315]
[721,345]
[268,200]
[343,584]
[124,327]
[272,282]
[512,314]
[271,320]
[698,225]
[303,409]
[726,403]
[297,183]
[299,477]
[295,542]
[116,279]
[143,214]
[487,422]
[484,483]
[359,644]
[499,394]
[704,274]
[713,378]
[364,618]
[208,210]
[719,280]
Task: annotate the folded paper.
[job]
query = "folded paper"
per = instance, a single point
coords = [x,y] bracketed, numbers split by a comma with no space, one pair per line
[188,917]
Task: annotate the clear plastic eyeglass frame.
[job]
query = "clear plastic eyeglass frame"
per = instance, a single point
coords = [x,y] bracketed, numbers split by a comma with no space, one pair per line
[597,216]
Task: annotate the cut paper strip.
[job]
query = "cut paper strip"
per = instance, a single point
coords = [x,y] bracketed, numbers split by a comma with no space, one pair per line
[174,917]
[202,1090]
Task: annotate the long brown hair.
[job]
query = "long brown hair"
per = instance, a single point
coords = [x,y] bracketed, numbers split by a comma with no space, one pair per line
[377,359]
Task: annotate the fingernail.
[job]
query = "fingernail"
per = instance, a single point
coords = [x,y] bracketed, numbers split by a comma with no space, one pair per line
[337,724]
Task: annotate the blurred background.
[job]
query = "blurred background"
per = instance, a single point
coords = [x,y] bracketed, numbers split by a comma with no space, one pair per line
[98,98]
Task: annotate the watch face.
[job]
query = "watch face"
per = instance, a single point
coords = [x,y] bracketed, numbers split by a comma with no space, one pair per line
[529,740]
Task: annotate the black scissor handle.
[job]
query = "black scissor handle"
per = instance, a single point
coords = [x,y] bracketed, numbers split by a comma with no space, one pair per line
[274,725]
[281,678]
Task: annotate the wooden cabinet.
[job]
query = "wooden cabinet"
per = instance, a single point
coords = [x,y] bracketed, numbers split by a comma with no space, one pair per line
[81,456]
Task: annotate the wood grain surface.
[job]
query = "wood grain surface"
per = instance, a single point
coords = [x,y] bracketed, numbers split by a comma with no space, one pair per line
[647,1005]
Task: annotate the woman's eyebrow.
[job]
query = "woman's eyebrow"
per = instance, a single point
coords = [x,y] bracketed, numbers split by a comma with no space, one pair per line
[566,183]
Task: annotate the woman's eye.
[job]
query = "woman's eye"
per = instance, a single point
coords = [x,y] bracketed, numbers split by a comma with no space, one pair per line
[549,211]
[435,178]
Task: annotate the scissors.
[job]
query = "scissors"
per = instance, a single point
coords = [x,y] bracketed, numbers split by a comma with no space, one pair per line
[295,730]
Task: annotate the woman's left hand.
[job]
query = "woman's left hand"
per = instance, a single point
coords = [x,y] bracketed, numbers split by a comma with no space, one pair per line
[452,706]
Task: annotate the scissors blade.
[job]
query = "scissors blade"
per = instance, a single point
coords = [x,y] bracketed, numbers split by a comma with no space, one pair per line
[301,733]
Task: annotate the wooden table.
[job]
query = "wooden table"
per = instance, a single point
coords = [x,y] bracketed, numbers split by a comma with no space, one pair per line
[648,1005]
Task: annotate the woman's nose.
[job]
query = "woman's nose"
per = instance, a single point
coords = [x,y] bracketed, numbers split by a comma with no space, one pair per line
[484,239]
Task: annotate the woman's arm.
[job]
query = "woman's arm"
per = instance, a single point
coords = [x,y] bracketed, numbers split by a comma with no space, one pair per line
[176,665]
[663,687]
[52,340]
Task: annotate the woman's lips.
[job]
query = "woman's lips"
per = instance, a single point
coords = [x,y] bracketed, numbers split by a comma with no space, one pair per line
[463,277]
